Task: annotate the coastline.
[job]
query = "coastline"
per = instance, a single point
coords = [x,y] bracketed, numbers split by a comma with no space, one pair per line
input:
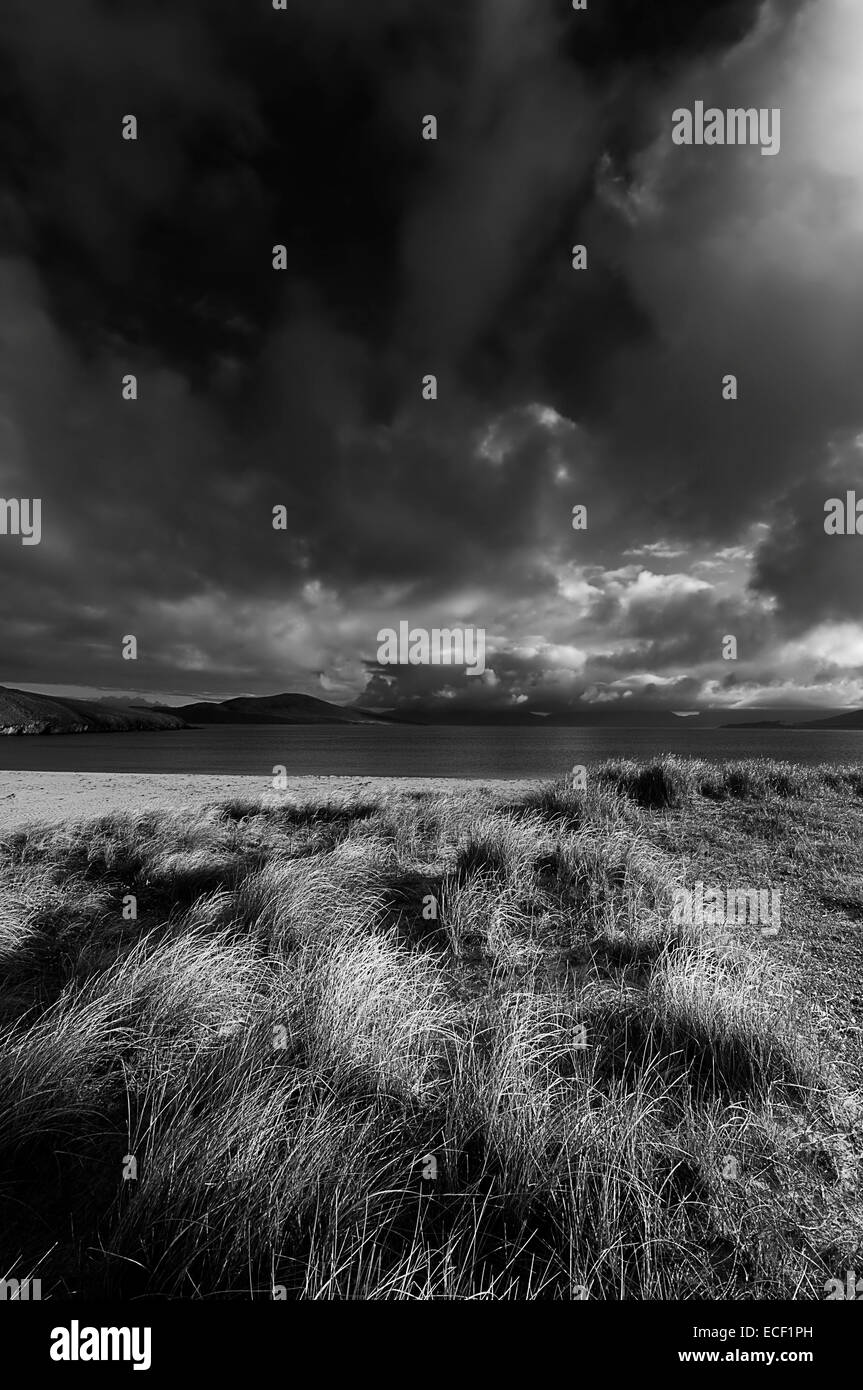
[26,797]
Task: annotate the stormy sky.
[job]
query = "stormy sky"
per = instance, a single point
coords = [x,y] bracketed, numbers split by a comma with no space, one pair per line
[405,257]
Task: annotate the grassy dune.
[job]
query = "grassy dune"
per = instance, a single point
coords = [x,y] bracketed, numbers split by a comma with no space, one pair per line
[545,1088]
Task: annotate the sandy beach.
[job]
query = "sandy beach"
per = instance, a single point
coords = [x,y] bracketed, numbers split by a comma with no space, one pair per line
[56,796]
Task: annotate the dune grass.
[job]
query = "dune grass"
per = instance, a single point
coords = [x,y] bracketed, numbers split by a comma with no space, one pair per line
[415,1048]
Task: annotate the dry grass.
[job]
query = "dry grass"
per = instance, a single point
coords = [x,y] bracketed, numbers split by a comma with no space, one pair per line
[424,1048]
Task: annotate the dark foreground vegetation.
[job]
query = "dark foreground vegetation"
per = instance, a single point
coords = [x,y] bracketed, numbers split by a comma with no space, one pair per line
[428,1046]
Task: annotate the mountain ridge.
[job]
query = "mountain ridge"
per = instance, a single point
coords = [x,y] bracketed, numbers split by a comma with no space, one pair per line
[286,708]
[23,712]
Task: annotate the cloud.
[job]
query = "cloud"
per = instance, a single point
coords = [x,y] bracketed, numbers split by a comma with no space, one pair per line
[556,388]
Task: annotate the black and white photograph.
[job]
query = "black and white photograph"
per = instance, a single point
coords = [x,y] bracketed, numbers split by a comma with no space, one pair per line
[431,666]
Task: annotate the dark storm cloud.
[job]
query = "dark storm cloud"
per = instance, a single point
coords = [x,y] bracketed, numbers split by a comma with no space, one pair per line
[303,389]
[814,575]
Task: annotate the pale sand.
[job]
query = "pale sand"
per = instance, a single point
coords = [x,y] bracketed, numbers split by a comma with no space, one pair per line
[56,796]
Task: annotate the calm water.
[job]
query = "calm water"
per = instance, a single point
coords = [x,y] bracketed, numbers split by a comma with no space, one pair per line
[416,752]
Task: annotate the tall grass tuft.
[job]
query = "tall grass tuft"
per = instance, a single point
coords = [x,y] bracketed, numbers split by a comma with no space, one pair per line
[418,1048]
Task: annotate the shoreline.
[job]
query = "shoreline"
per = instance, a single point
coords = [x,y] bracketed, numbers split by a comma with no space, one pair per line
[28,797]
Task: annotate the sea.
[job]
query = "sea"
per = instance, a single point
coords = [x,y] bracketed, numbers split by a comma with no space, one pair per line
[370,750]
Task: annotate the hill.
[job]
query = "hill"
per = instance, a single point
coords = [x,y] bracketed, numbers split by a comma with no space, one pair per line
[22,712]
[850,719]
[291,708]
[273,709]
